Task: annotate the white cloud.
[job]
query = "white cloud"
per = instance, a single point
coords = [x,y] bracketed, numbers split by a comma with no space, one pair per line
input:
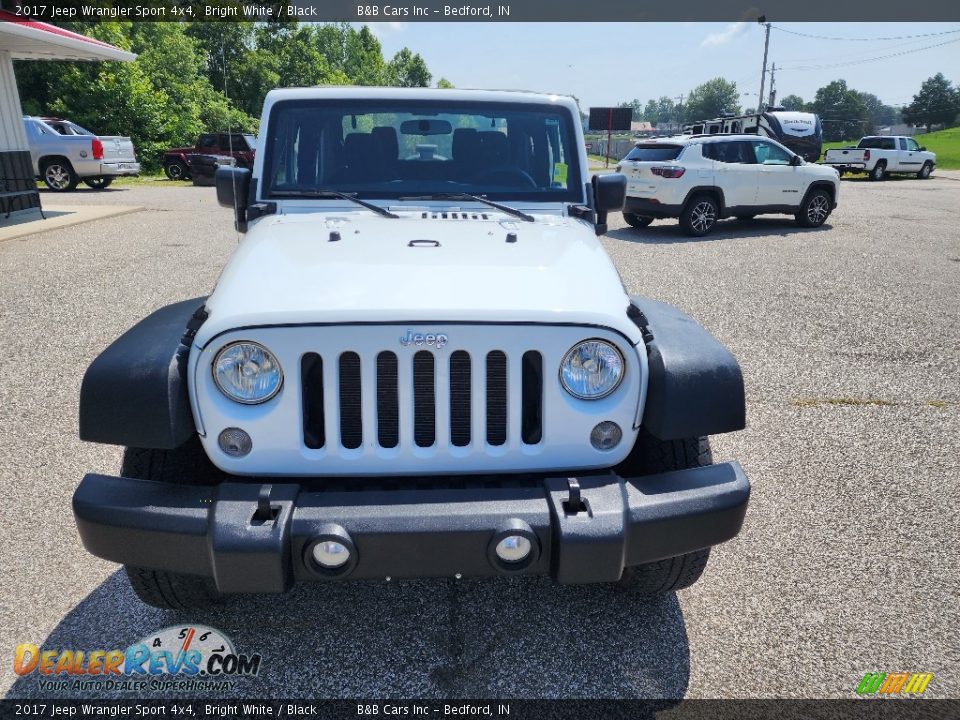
[385,28]
[722,38]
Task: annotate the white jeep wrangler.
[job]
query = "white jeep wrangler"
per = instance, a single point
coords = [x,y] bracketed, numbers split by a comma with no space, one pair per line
[420,362]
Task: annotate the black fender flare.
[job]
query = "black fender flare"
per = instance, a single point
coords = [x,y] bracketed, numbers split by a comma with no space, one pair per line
[695,385]
[710,190]
[821,184]
[135,392]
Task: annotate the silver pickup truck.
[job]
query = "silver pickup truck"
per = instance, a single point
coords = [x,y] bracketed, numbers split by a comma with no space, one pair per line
[63,154]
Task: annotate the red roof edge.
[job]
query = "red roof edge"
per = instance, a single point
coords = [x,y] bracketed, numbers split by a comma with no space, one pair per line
[7,16]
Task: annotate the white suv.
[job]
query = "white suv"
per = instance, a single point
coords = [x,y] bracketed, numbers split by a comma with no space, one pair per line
[702,178]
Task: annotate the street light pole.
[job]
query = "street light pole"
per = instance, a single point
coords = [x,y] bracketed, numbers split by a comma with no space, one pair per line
[762,20]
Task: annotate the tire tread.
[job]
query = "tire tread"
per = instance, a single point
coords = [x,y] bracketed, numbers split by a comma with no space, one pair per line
[172,591]
[651,456]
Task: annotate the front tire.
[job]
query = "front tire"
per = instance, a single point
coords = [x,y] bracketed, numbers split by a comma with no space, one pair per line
[172,591]
[98,183]
[185,465]
[815,210]
[176,170]
[665,576]
[700,215]
[879,171]
[58,175]
[925,171]
[651,456]
[637,221]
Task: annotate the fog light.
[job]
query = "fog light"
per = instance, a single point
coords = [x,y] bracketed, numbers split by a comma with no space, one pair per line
[606,435]
[513,548]
[331,554]
[235,442]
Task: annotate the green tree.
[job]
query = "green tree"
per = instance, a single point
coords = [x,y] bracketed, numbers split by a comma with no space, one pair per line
[660,111]
[408,70]
[671,112]
[879,112]
[793,102]
[841,110]
[223,45]
[445,84]
[712,99]
[937,103]
[364,63]
[650,113]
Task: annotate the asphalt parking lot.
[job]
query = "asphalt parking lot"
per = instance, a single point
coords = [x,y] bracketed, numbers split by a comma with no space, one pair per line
[849,339]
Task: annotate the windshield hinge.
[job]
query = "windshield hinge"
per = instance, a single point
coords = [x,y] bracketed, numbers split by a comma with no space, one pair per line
[582,212]
[259,210]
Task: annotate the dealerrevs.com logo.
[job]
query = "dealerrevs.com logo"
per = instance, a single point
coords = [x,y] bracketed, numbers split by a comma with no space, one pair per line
[193,657]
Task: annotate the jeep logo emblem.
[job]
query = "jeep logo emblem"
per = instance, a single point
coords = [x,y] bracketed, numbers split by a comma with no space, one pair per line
[438,340]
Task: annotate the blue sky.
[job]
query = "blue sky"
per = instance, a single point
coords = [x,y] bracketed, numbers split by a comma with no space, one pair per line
[606,63]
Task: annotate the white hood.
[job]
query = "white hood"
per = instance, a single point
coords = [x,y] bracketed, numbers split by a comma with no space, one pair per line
[288,271]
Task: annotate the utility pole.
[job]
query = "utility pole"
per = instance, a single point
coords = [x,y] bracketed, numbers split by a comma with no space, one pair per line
[762,20]
[679,110]
[773,85]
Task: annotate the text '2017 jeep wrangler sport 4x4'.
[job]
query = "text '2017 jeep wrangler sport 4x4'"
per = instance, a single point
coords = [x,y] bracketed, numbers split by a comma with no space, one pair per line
[420,362]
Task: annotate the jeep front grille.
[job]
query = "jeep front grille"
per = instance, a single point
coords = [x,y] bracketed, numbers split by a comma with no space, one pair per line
[392,426]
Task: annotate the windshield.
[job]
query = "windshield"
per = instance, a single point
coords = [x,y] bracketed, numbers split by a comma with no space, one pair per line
[398,148]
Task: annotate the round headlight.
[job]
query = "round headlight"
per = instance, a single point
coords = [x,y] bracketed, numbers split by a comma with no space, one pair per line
[591,370]
[247,372]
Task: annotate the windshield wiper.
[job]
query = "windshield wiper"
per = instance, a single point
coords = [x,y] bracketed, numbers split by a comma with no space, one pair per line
[329,194]
[476,198]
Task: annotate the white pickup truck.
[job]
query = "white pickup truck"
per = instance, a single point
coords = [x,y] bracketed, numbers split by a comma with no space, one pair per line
[880,155]
[64,154]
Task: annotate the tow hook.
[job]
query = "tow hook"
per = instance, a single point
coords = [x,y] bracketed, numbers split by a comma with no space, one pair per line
[574,504]
[265,514]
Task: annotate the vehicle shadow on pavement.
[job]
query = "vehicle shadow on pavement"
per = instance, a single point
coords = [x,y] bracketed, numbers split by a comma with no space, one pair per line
[671,234]
[502,638]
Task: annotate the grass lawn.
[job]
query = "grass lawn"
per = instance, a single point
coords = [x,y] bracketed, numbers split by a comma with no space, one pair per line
[945,143]
[159,180]
[156,180]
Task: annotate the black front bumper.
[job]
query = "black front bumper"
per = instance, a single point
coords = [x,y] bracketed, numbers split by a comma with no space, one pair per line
[249,543]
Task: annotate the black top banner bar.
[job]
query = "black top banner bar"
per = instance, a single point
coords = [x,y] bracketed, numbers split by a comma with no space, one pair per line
[505,709]
[488,11]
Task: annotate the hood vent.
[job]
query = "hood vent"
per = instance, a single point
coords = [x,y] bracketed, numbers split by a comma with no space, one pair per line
[453,216]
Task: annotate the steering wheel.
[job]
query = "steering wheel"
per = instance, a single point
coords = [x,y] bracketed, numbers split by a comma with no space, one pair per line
[506,176]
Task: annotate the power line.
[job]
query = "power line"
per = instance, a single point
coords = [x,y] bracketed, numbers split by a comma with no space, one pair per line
[867,60]
[849,39]
[861,52]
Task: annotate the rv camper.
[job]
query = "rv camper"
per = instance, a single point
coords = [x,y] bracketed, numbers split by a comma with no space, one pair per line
[799,131]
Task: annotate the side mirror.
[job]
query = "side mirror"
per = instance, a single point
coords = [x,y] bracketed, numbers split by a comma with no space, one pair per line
[923,148]
[796,160]
[233,191]
[609,193]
